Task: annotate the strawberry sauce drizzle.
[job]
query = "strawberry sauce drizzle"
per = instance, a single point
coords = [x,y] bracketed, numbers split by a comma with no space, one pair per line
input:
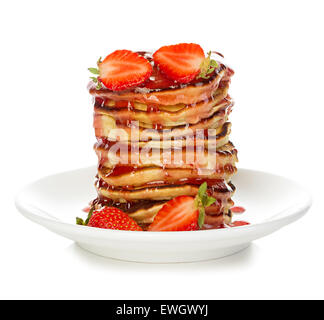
[233,224]
[238,210]
[238,223]
[213,184]
[120,170]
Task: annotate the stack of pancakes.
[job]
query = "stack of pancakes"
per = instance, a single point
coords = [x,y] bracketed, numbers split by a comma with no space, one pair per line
[162,140]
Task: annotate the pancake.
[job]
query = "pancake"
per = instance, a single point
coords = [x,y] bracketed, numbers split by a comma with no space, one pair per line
[220,191]
[106,128]
[186,158]
[165,140]
[189,114]
[215,221]
[146,216]
[129,176]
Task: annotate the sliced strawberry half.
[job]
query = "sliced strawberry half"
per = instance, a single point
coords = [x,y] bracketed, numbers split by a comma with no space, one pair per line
[123,69]
[179,214]
[180,62]
[183,213]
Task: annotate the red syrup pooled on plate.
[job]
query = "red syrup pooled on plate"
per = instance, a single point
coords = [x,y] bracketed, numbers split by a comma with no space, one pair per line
[86,209]
[237,210]
[238,224]
[224,226]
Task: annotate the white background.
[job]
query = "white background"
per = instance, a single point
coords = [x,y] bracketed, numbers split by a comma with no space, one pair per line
[276,49]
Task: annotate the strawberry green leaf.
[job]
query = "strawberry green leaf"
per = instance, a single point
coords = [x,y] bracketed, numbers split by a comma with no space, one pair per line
[80,221]
[89,216]
[94,70]
[207,67]
[99,85]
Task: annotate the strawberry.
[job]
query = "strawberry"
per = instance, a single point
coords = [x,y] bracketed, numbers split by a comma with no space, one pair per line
[183,213]
[178,214]
[180,62]
[123,69]
[110,218]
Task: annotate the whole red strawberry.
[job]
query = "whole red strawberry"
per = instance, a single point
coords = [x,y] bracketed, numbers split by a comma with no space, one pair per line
[110,218]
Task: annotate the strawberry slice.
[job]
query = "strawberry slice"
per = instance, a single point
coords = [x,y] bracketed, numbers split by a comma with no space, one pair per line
[178,214]
[110,218]
[183,213]
[180,62]
[123,69]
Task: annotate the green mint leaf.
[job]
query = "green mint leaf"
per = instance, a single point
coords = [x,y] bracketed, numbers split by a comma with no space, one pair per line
[94,70]
[99,61]
[207,67]
[209,201]
[94,79]
[210,70]
[202,190]
[203,201]
[201,217]
[213,63]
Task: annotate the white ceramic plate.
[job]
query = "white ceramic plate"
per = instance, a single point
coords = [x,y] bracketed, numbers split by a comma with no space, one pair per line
[271,202]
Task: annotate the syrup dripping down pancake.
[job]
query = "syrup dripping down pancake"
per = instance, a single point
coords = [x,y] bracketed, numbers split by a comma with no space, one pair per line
[217,138]
[186,158]
[107,130]
[221,190]
[190,114]
[136,177]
